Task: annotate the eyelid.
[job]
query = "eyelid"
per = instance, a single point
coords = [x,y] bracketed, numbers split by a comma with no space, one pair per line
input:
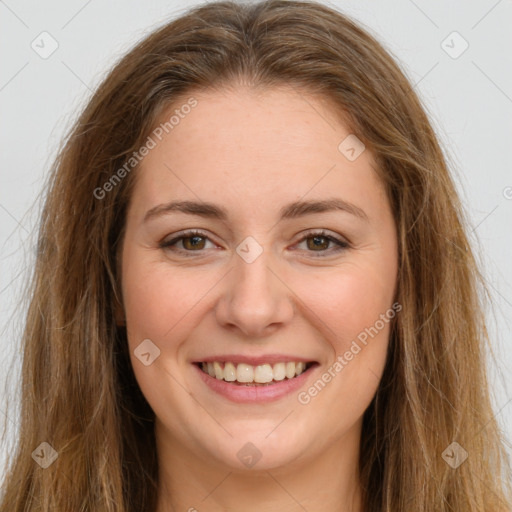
[324,232]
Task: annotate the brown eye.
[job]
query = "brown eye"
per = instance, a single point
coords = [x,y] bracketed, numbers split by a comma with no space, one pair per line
[318,242]
[187,242]
[193,242]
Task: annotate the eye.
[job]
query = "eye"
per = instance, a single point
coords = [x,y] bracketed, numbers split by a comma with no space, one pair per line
[318,241]
[191,241]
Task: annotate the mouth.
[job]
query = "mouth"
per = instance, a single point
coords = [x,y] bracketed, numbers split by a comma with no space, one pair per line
[266,374]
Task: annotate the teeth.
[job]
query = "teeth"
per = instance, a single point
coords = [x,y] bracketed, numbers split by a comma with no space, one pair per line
[299,368]
[229,372]
[247,374]
[263,373]
[244,373]
[290,370]
[279,371]
[219,372]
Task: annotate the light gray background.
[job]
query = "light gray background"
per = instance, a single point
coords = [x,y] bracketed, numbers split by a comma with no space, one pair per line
[468,98]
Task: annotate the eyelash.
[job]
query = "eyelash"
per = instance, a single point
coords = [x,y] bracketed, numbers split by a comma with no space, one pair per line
[341,244]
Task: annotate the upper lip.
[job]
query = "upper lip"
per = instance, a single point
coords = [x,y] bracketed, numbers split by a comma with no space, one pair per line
[254,360]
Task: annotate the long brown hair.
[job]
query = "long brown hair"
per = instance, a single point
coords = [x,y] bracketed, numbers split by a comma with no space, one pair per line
[79,393]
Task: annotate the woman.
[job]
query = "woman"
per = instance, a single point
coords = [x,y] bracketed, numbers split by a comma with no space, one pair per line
[254,290]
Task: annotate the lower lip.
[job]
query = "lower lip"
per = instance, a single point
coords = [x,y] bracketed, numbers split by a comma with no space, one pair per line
[255,394]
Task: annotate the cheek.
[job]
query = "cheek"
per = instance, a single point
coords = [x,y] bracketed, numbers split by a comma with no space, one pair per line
[158,298]
[349,299]
[160,304]
[354,305]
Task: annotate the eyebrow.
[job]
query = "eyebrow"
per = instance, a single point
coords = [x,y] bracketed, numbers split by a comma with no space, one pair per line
[290,211]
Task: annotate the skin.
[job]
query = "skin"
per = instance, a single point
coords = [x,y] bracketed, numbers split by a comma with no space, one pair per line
[253,153]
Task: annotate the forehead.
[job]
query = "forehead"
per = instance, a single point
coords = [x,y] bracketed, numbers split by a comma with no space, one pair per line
[267,124]
[242,143]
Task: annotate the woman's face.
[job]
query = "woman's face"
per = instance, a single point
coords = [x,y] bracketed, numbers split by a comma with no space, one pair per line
[295,261]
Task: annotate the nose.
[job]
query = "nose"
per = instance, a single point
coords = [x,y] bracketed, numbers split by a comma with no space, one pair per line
[255,299]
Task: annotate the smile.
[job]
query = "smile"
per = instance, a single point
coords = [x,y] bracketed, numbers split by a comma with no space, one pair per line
[261,382]
[249,375]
